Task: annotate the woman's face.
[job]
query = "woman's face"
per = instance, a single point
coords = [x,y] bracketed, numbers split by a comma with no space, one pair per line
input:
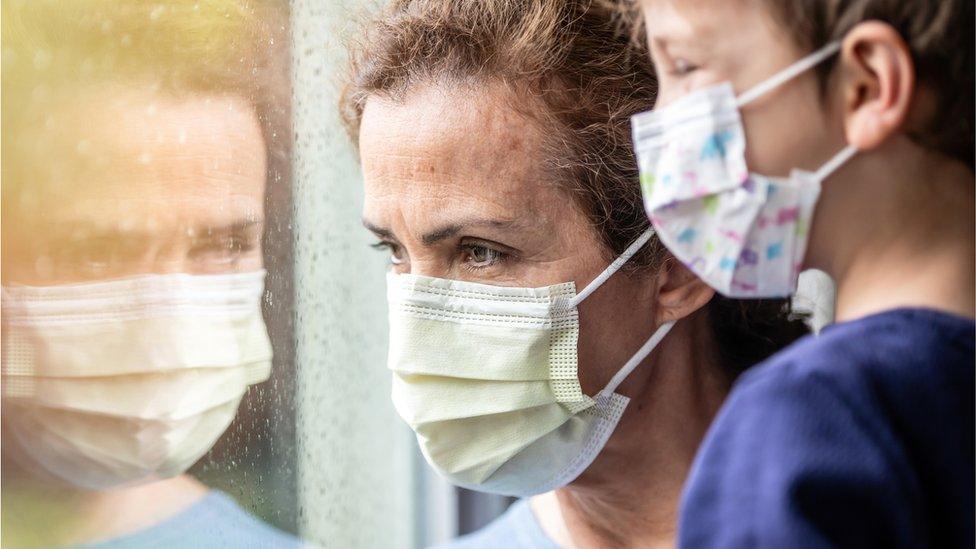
[456,188]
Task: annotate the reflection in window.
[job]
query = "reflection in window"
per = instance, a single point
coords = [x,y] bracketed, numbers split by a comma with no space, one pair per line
[145,147]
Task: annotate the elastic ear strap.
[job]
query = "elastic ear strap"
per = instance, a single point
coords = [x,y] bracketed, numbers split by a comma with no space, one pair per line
[635,360]
[835,163]
[614,267]
[788,73]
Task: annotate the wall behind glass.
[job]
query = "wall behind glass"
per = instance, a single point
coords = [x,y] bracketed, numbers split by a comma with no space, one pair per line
[356,459]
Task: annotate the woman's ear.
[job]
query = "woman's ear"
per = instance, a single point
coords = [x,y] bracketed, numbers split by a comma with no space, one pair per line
[679,293]
[878,81]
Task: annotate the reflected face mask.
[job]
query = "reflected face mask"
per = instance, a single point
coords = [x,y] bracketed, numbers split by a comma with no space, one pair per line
[487,377]
[743,233]
[115,383]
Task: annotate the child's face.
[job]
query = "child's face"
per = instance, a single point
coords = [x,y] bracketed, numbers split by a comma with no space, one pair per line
[699,43]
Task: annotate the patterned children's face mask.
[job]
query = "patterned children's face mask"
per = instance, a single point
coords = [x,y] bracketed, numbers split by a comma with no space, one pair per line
[743,233]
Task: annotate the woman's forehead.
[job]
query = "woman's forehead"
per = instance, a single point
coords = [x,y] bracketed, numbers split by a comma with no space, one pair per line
[140,170]
[469,146]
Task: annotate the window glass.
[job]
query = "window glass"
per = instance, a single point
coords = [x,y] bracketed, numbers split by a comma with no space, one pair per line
[193,324]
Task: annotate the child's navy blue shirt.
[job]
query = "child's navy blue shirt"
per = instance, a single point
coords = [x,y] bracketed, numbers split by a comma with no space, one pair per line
[860,437]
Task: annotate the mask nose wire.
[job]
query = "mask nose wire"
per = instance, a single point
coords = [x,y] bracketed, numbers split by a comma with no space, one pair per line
[788,73]
[612,268]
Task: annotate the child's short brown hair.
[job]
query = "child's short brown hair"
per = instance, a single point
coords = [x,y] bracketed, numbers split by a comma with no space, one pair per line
[939,34]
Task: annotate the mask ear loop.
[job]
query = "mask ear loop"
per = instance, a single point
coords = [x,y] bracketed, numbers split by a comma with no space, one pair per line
[835,163]
[612,268]
[635,360]
[652,342]
[788,73]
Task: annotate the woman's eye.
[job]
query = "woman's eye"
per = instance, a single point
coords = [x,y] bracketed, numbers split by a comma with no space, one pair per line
[221,250]
[396,257]
[481,256]
[682,67]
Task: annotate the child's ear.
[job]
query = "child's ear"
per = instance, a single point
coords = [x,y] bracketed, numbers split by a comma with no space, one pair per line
[679,293]
[878,81]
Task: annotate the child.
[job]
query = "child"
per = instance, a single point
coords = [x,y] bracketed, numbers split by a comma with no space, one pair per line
[863,436]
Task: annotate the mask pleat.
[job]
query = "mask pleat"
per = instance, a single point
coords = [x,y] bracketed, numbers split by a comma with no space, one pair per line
[431,399]
[133,346]
[423,346]
[170,396]
[500,436]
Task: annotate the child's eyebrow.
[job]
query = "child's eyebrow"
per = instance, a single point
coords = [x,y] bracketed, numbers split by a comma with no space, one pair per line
[682,25]
[680,44]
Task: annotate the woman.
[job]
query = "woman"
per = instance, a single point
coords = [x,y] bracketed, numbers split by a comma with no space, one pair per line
[498,171]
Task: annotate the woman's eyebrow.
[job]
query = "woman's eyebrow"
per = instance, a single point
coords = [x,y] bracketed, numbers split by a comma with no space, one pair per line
[378,231]
[238,226]
[446,231]
[432,237]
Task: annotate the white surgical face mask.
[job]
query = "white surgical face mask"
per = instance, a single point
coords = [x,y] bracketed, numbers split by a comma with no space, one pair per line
[115,383]
[487,376]
[743,233]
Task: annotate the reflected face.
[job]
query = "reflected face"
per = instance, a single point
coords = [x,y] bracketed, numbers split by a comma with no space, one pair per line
[455,188]
[129,182]
[693,47]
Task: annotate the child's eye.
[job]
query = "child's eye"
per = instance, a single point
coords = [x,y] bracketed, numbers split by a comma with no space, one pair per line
[683,67]
[396,254]
[479,256]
